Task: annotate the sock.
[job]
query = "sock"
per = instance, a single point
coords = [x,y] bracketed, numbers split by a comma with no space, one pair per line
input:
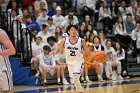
[99,77]
[45,80]
[82,78]
[87,78]
[58,79]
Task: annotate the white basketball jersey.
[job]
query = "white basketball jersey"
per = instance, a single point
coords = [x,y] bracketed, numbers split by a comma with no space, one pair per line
[4,60]
[73,52]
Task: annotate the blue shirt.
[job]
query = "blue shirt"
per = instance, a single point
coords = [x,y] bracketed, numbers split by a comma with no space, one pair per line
[33,24]
[129,27]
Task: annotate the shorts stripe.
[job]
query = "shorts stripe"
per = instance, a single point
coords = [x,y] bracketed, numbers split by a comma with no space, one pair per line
[8,80]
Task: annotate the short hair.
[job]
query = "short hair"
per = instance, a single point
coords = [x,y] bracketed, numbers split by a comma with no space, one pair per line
[46,48]
[108,40]
[44,26]
[51,38]
[27,16]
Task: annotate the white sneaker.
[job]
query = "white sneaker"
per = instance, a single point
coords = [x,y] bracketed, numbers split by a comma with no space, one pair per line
[37,74]
[88,80]
[114,77]
[124,73]
[120,77]
[101,79]
[65,82]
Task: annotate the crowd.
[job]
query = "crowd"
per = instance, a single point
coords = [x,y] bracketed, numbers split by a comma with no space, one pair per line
[47,26]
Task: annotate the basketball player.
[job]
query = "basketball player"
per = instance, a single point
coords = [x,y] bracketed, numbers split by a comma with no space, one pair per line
[6,49]
[73,48]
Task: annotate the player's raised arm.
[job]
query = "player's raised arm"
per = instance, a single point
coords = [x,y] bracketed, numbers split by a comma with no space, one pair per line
[59,48]
[4,39]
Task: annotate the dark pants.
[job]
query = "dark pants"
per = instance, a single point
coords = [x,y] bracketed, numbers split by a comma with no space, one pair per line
[124,66]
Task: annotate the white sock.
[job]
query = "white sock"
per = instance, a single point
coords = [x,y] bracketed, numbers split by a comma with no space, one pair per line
[87,78]
[64,79]
[45,80]
[58,79]
[138,59]
[99,76]
[82,78]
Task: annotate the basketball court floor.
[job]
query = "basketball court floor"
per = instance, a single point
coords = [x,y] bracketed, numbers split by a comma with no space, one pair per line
[120,86]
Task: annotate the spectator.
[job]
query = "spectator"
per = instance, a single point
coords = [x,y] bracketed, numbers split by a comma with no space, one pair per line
[129,24]
[58,33]
[102,38]
[31,12]
[122,8]
[51,25]
[121,34]
[14,6]
[31,23]
[80,6]
[66,23]
[52,9]
[131,8]
[52,42]
[90,30]
[111,62]
[44,34]
[37,6]
[37,49]
[98,48]
[136,37]
[87,20]
[48,65]
[114,11]
[42,6]
[120,56]
[71,12]
[43,18]
[58,18]
[82,30]
[105,16]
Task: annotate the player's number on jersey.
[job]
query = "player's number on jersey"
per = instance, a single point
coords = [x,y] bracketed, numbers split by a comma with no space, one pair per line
[72,53]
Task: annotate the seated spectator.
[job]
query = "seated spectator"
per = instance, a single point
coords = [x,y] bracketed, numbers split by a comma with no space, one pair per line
[120,56]
[105,16]
[31,23]
[58,18]
[44,34]
[87,20]
[58,33]
[121,34]
[136,37]
[71,12]
[102,38]
[51,25]
[42,6]
[52,42]
[89,64]
[31,12]
[14,6]
[47,65]
[91,30]
[37,49]
[82,30]
[99,49]
[123,8]
[114,12]
[43,18]
[52,11]
[37,2]
[129,24]
[66,23]
[131,8]
[111,62]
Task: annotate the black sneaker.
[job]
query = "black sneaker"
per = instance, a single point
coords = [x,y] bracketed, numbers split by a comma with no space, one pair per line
[45,84]
[59,83]
[83,81]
